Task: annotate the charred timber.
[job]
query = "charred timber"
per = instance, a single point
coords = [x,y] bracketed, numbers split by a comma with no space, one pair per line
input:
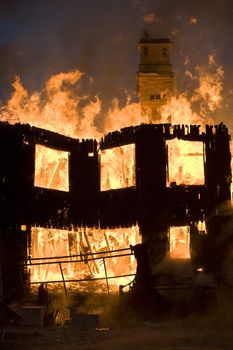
[151,202]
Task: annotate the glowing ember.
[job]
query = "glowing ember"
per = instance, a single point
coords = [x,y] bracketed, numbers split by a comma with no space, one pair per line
[179,239]
[57,243]
[118,167]
[185,162]
[51,168]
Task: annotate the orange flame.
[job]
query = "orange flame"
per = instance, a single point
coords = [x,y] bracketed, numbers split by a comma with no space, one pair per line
[57,243]
[118,167]
[57,107]
[51,168]
[186,162]
[179,238]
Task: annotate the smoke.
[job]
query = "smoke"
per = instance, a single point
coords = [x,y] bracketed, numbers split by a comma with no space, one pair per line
[40,39]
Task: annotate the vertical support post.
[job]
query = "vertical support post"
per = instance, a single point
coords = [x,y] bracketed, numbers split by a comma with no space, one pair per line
[218,300]
[1,286]
[107,242]
[21,280]
[105,270]
[89,247]
[64,283]
[195,305]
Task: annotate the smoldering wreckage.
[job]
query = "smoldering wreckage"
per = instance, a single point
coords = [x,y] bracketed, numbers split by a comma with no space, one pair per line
[144,213]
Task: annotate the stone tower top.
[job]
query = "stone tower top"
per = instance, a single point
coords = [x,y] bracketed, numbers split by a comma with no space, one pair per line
[155,55]
[155,77]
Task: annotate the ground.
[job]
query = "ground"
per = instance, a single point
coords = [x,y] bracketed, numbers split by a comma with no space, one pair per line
[146,336]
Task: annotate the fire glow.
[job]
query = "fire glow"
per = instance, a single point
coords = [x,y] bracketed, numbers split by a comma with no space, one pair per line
[84,242]
[179,241]
[185,162]
[118,167]
[57,108]
[51,168]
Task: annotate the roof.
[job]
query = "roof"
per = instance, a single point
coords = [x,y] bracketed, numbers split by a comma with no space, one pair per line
[154,41]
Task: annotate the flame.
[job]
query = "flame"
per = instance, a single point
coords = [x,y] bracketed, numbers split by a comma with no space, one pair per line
[178,110]
[61,107]
[56,107]
[201,226]
[128,115]
[186,162]
[57,243]
[186,159]
[210,85]
[51,168]
[204,100]
[179,238]
[118,167]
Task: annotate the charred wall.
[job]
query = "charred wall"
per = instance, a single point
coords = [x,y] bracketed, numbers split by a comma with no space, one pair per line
[151,203]
[23,203]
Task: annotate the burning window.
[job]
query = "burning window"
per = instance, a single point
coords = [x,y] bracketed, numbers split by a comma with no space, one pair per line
[201,226]
[51,168]
[118,167]
[185,162]
[83,251]
[179,242]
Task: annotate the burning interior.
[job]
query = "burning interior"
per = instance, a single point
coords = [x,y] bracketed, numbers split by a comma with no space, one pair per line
[185,162]
[130,210]
[51,168]
[118,167]
[84,255]
[76,213]
[179,242]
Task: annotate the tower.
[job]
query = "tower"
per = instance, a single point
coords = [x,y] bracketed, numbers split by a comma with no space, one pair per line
[155,78]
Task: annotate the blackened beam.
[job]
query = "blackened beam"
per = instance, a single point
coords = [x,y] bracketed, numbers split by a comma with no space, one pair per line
[83,280]
[73,261]
[81,255]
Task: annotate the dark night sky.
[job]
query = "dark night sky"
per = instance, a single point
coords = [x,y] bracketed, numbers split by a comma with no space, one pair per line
[39,38]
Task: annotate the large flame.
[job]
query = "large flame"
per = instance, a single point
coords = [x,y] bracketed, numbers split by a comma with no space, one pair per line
[83,243]
[186,162]
[197,106]
[51,168]
[61,106]
[118,167]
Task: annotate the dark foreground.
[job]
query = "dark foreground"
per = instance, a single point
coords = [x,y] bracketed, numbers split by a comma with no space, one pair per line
[146,336]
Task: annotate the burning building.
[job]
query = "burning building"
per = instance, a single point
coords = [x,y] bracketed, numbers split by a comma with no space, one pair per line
[60,197]
[72,208]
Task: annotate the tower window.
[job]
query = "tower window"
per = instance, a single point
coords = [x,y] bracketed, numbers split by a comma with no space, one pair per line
[164,53]
[145,51]
[158,97]
[152,97]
